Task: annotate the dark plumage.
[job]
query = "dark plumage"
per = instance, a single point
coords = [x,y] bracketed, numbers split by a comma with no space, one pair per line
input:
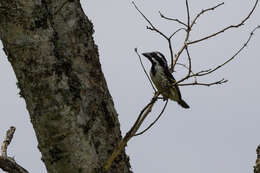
[163,79]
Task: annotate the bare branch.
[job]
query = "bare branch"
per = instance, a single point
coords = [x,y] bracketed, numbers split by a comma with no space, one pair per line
[173,19]
[227,28]
[205,84]
[204,11]
[7,141]
[171,51]
[141,62]
[176,32]
[174,60]
[143,114]
[206,72]
[188,14]
[183,65]
[8,164]
[152,27]
[188,30]
[189,68]
[189,59]
[177,56]
[142,132]
[171,48]
[201,72]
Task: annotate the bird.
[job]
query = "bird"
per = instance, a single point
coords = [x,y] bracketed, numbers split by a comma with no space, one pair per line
[163,78]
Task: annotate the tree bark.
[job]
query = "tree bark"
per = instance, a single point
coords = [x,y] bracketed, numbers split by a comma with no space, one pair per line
[257,163]
[50,46]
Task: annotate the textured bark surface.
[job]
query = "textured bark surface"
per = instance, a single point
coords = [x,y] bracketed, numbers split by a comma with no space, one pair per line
[8,164]
[257,163]
[50,47]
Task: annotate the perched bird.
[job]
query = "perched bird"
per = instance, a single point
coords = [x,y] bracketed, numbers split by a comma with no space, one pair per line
[163,79]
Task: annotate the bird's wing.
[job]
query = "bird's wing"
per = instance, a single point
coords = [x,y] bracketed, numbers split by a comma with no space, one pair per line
[172,80]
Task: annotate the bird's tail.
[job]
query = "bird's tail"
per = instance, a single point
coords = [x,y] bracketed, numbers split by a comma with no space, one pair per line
[183,104]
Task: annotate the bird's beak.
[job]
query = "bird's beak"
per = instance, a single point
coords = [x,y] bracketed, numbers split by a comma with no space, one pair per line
[147,55]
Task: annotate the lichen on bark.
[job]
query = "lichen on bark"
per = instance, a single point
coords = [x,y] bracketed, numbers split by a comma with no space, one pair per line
[50,46]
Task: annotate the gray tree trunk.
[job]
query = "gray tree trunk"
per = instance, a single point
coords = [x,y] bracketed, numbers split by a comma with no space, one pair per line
[50,46]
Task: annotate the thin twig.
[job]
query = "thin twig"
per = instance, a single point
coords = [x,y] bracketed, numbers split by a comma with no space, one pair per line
[7,141]
[188,14]
[143,114]
[171,48]
[205,84]
[189,59]
[153,28]
[175,32]
[173,19]
[204,11]
[201,72]
[210,36]
[149,109]
[8,164]
[226,28]
[171,51]
[206,72]
[141,62]
[177,56]
[189,68]
[153,100]
[188,30]
[183,65]
[142,132]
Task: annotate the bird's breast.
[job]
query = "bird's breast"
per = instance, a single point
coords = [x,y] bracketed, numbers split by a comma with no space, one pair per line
[163,85]
[160,80]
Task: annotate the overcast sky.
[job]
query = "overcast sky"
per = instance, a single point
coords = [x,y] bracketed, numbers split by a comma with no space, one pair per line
[219,133]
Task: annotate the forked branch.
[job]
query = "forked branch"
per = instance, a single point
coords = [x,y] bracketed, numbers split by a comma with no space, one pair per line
[143,114]
[206,72]
[228,27]
[174,61]
[150,126]
[8,164]
[204,11]
[173,19]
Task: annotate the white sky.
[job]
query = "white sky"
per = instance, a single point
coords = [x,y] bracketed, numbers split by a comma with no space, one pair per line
[221,130]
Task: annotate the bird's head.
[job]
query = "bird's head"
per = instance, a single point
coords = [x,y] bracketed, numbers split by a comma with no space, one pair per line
[156,58]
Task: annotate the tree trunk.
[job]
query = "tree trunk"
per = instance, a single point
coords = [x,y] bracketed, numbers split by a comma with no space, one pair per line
[50,46]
